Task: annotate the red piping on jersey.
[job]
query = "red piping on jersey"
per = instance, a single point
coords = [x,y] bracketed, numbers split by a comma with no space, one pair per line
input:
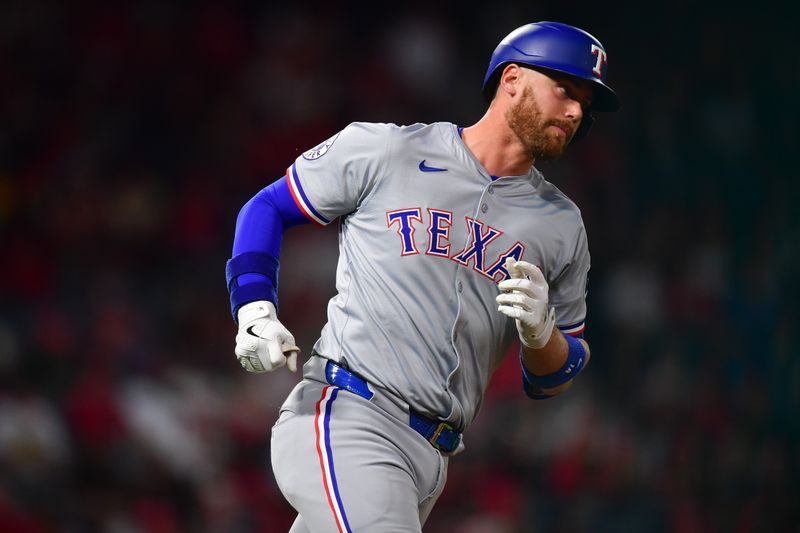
[297,201]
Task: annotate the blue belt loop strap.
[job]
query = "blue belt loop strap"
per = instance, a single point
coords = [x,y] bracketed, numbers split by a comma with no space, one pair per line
[336,375]
[441,435]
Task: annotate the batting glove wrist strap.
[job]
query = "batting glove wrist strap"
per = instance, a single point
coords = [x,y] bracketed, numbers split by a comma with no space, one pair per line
[537,336]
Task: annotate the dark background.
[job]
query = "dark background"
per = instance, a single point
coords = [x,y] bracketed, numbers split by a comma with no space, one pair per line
[131,134]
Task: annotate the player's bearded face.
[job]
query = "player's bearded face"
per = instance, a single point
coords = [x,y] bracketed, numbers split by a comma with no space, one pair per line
[528,123]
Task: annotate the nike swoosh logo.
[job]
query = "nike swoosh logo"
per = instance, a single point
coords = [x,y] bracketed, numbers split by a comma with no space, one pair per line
[250,331]
[425,168]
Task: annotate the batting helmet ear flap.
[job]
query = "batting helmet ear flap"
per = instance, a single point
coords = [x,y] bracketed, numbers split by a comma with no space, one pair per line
[583,128]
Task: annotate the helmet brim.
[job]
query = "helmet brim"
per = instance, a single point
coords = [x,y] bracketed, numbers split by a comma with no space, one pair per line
[603,98]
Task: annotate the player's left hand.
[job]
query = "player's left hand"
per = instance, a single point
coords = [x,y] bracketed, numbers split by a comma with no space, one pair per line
[263,343]
[524,297]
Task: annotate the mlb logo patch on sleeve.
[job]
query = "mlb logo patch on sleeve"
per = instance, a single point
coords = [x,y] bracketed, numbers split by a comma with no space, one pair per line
[319,150]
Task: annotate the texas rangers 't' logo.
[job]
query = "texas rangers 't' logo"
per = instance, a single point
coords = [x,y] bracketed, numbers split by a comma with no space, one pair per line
[602,59]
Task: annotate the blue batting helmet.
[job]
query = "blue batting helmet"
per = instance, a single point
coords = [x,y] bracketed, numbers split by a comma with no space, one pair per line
[557,47]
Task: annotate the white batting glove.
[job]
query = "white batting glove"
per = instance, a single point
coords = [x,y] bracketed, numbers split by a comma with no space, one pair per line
[263,343]
[523,297]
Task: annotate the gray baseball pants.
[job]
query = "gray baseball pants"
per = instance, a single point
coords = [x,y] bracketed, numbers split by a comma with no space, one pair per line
[348,464]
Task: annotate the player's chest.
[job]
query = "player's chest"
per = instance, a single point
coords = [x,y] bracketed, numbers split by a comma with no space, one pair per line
[477,225]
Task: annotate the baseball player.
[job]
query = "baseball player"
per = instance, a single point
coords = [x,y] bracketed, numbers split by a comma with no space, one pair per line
[452,247]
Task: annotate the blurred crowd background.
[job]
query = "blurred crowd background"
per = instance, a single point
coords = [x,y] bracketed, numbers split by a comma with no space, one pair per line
[131,133]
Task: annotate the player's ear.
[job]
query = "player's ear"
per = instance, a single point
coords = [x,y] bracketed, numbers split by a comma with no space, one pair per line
[510,79]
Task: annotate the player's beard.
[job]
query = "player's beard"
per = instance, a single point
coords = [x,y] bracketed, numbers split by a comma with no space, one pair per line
[527,122]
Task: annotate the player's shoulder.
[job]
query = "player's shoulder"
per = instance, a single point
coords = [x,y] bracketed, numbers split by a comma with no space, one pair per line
[566,207]
[391,129]
[367,133]
[356,138]
[371,137]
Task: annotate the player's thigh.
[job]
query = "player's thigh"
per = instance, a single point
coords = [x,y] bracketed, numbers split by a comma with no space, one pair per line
[344,465]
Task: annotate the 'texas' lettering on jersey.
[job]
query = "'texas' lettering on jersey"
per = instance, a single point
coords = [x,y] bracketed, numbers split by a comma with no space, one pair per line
[409,220]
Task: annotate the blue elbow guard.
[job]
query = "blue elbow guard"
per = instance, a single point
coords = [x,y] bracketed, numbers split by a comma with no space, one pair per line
[576,358]
[252,263]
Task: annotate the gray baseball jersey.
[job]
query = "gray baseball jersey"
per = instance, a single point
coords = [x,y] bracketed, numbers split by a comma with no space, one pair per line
[424,233]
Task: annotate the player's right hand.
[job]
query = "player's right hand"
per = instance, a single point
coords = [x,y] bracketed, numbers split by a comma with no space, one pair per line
[263,343]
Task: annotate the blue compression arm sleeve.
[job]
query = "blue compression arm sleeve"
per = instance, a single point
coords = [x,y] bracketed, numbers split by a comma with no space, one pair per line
[252,272]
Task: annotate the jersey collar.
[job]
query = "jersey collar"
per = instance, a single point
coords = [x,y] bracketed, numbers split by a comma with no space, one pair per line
[533,176]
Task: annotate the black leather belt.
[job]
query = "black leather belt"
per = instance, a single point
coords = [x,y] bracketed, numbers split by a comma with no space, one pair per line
[440,434]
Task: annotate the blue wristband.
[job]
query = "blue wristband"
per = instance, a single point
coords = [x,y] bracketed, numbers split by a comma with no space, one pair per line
[252,292]
[265,286]
[252,263]
[576,358]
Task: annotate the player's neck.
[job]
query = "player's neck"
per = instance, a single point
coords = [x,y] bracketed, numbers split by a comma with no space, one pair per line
[497,148]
